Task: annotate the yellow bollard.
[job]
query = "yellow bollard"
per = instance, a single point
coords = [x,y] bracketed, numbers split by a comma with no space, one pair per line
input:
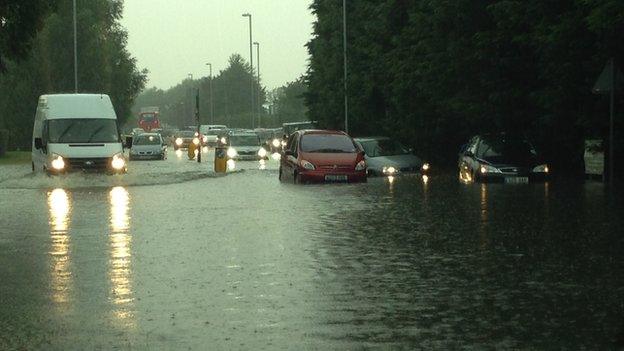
[192,149]
[220,160]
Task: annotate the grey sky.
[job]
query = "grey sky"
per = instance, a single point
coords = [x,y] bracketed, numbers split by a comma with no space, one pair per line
[174,38]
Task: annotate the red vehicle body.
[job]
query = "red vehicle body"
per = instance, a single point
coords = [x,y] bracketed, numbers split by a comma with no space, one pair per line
[149,120]
[322,156]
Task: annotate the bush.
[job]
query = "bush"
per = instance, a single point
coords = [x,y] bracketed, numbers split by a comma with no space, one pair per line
[4,141]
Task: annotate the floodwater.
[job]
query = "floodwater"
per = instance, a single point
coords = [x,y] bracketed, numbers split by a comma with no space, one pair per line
[171,256]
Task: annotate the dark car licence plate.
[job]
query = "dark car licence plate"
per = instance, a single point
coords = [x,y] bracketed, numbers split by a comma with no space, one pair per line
[516,180]
[336,178]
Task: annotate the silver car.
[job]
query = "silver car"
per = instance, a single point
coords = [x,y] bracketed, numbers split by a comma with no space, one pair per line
[148,146]
[245,146]
[388,157]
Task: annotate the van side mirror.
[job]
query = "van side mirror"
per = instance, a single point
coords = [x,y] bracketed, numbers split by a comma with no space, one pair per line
[38,143]
[128,142]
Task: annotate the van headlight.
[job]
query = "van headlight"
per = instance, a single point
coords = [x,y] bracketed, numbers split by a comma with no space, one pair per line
[178,141]
[58,163]
[541,169]
[204,139]
[118,163]
[262,152]
[231,152]
[196,141]
[425,167]
[276,143]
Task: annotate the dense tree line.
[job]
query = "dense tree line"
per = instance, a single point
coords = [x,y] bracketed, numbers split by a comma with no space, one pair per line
[231,100]
[44,63]
[432,73]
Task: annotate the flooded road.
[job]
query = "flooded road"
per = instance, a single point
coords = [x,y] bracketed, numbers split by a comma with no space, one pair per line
[172,256]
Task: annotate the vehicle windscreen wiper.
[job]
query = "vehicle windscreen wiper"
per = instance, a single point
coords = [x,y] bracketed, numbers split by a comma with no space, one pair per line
[95,132]
[60,138]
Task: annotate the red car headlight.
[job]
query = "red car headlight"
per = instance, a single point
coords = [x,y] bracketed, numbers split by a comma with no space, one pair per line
[360,166]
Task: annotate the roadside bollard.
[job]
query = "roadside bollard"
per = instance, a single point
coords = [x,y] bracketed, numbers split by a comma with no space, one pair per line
[220,160]
[191,151]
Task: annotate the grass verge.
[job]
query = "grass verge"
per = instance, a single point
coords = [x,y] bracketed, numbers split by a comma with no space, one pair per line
[15,157]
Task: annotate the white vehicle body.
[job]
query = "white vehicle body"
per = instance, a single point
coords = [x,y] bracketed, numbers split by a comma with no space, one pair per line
[80,130]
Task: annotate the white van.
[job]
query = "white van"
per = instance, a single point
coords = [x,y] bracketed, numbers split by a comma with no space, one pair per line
[76,132]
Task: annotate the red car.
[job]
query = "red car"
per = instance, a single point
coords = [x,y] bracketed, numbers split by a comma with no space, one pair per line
[322,156]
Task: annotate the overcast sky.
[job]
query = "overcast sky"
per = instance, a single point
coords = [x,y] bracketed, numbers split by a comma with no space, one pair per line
[174,38]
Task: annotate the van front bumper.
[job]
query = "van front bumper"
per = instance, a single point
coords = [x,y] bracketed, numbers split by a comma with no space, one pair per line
[91,164]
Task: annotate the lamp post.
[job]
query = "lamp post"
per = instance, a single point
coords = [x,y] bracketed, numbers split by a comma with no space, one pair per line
[344,54]
[75,50]
[210,93]
[251,62]
[259,86]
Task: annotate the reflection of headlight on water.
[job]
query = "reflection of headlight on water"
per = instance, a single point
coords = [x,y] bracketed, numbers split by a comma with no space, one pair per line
[425,179]
[205,149]
[276,156]
[178,153]
[390,179]
[262,165]
[231,165]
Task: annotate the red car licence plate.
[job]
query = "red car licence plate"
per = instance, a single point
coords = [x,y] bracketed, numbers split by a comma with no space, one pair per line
[336,178]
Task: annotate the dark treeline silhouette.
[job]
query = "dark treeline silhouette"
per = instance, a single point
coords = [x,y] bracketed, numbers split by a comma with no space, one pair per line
[433,73]
[41,62]
[230,93]
[231,100]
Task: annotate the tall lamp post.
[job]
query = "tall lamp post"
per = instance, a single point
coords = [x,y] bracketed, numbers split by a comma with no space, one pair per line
[344,54]
[210,88]
[259,86]
[251,62]
[75,50]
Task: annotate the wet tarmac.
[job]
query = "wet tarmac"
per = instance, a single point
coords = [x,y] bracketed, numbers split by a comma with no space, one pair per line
[174,257]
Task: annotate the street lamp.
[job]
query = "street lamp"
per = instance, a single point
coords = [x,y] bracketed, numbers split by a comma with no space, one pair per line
[75,50]
[251,63]
[210,88]
[258,73]
[344,54]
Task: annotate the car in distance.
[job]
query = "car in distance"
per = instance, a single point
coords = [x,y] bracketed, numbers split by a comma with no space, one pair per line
[76,132]
[388,157]
[148,146]
[500,158]
[182,139]
[245,146]
[322,156]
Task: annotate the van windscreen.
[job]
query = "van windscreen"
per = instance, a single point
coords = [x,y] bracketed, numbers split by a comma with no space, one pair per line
[79,130]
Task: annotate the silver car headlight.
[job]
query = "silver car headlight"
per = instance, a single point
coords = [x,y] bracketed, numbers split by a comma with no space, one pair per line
[276,143]
[484,169]
[389,170]
[541,169]
[262,152]
[231,152]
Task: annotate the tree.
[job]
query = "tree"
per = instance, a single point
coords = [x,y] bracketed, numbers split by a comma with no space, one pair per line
[105,65]
[19,23]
